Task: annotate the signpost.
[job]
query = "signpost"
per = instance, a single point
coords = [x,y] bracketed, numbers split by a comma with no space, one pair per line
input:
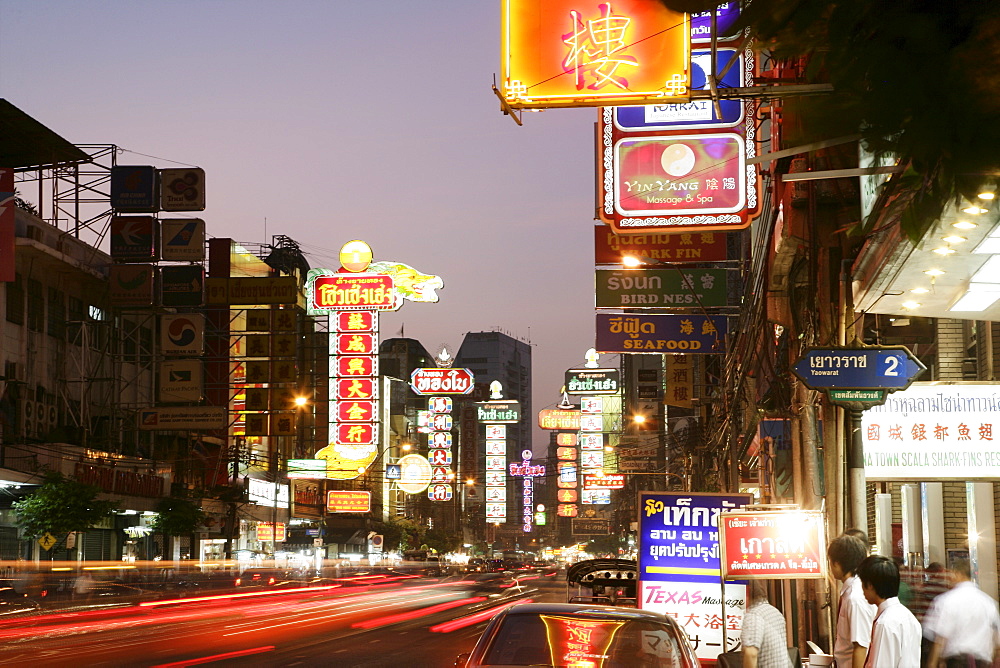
[890,368]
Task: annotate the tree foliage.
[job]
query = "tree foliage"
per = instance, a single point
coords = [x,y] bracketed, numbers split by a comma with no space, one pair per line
[442,541]
[177,516]
[400,534]
[917,78]
[61,506]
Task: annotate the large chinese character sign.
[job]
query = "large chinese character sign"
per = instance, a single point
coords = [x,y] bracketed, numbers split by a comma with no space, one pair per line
[352,298]
[577,53]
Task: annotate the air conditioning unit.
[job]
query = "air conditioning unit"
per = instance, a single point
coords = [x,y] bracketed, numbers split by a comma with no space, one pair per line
[13,371]
[29,418]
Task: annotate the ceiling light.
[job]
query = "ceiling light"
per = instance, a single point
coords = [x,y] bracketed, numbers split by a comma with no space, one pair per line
[944,251]
[987,195]
[976,300]
[964,225]
[954,239]
[934,272]
[919,291]
[974,210]
[911,305]
[989,272]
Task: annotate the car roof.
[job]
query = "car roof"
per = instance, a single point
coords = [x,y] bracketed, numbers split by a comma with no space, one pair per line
[584,610]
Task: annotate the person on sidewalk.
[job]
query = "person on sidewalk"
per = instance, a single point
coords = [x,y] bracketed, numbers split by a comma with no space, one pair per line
[856,614]
[964,623]
[763,638]
[896,632]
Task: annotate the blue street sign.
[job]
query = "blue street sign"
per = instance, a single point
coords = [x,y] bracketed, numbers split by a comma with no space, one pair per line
[889,368]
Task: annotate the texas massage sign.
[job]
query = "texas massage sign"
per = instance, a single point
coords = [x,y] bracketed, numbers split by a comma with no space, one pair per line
[352,298]
[574,53]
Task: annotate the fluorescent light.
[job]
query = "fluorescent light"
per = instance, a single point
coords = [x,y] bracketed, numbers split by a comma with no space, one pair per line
[934,272]
[964,225]
[989,272]
[975,301]
[919,291]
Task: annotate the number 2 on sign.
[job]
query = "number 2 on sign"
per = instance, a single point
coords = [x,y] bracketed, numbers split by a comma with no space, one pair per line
[891,364]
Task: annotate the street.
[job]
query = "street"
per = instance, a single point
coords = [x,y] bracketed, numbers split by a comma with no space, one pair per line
[424,622]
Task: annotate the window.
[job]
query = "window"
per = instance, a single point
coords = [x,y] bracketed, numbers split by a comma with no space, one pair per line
[76,315]
[57,314]
[15,301]
[36,306]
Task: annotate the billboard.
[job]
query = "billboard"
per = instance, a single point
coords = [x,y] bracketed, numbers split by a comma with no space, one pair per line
[617,333]
[182,335]
[435,380]
[182,285]
[612,248]
[934,432]
[182,189]
[592,381]
[351,292]
[252,291]
[133,238]
[568,53]
[348,501]
[680,568]
[182,239]
[134,188]
[784,544]
[659,288]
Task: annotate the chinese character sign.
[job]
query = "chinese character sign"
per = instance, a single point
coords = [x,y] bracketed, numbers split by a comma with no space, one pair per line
[439,448]
[661,333]
[496,473]
[680,568]
[930,432]
[574,53]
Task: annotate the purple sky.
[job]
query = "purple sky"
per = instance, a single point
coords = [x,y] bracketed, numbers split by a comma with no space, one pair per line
[336,120]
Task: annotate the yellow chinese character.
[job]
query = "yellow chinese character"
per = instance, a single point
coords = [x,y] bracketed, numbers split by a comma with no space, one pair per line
[594,47]
[355,433]
[687,327]
[708,327]
[356,321]
[356,365]
[356,344]
[355,390]
[356,412]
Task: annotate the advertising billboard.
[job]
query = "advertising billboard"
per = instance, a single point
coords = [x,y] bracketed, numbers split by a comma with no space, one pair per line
[611,247]
[338,501]
[680,568]
[660,333]
[568,53]
[426,381]
[786,544]
[659,288]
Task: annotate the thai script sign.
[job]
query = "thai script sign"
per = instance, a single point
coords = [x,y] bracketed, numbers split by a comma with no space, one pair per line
[930,432]
[679,566]
[553,418]
[244,291]
[182,418]
[593,381]
[348,502]
[589,526]
[498,411]
[725,23]
[606,481]
[626,52]
[642,288]
[660,333]
[773,544]
[358,292]
[612,248]
[119,481]
[442,381]
[266,534]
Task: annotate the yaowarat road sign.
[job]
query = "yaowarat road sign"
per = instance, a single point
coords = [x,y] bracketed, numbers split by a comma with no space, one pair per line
[891,368]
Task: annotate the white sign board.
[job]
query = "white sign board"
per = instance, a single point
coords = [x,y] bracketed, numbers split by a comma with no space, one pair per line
[934,431]
[262,493]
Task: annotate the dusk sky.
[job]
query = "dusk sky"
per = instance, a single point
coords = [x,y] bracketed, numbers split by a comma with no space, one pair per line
[336,120]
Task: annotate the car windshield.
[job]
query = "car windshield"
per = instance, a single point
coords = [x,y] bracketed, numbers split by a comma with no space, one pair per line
[601,642]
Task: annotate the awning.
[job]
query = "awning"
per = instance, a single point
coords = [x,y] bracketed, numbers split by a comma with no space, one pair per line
[27,144]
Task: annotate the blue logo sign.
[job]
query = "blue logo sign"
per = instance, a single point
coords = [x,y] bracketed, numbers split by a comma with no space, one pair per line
[632,333]
[698,113]
[725,23]
[393,471]
[890,368]
[134,189]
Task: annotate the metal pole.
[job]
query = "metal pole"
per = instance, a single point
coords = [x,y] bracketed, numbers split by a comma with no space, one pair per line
[856,474]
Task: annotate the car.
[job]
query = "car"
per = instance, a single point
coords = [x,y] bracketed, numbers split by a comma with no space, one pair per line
[475,565]
[262,577]
[495,566]
[566,634]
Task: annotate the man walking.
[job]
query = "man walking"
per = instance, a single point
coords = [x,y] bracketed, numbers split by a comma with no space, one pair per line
[896,632]
[856,615]
[964,623]
[765,644]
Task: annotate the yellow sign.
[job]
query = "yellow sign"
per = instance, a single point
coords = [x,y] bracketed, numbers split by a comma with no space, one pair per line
[252,291]
[578,53]
[47,540]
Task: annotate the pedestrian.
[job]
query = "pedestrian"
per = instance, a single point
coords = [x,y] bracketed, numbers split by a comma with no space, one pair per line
[82,585]
[763,638]
[896,632]
[965,624]
[860,535]
[856,614]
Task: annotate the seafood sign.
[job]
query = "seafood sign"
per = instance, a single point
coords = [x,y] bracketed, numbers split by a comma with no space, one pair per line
[629,333]
[773,544]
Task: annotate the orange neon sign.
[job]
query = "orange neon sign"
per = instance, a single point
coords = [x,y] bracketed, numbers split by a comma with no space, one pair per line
[579,53]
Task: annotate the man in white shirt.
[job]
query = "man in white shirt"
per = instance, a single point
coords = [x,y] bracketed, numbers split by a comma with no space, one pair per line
[896,632]
[855,616]
[965,624]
